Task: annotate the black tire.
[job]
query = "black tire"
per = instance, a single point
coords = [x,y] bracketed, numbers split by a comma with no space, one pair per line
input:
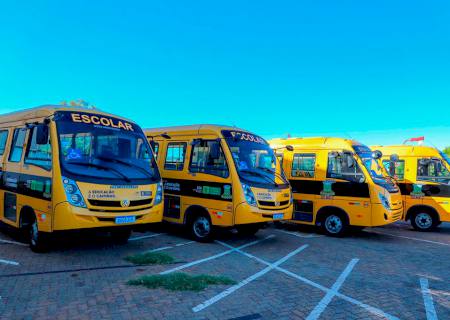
[37,240]
[200,228]
[424,220]
[334,224]
[248,229]
[121,236]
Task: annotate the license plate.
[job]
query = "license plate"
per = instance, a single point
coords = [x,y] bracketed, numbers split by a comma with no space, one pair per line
[128,219]
[278,216]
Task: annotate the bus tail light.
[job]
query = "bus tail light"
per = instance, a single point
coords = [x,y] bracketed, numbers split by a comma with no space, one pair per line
[73,194]
[249,196]
[159,194]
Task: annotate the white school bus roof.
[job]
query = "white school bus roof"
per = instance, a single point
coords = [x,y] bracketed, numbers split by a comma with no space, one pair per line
[48,110]
[195,129]
[314,143]
[407,151]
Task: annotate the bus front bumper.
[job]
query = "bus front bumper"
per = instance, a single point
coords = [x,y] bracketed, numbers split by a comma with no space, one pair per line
[246,214]
[68,217]
[382,216]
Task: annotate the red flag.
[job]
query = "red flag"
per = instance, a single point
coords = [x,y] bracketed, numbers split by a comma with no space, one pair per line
[417,139]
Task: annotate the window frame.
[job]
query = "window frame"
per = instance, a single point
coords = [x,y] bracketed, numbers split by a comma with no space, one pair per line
[13,142]
[224,156]
[25,158]
[155,145]
[6,141]
[184,144]
[314,155]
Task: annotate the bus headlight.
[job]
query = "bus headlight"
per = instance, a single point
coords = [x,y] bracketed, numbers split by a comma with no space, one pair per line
[249,196]
[73,194]
[159,194]
[384,201]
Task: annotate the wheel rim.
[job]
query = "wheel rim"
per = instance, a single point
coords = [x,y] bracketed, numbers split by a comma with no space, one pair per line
[202,227]
[424,220]
[34,233]
[333,224]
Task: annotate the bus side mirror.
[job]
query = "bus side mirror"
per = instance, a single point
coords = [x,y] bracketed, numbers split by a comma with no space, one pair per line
[196,142]
[41,134]
[377,154]
[394,158]
[289,148]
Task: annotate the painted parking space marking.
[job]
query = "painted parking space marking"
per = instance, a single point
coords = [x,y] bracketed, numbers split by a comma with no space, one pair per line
[409,238]
[253,277]
[428,299]
[146,237]
[322,305]
[193,263]
[13,242]
[301,235]
[170,247]
[375,311]
[10,262]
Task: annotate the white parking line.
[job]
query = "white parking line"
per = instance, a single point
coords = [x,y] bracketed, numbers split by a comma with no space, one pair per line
[9,262]
[300,235]
[13,242]
[145,237]
[409,238]
[193,263]
[322,305]
[373,310]
[257,275]
[428,300]
[170,247]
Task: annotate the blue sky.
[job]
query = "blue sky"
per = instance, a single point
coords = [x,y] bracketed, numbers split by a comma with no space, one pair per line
[376,71]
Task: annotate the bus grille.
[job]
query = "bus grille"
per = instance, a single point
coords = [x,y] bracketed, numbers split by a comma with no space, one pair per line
[116,204]
[272,203]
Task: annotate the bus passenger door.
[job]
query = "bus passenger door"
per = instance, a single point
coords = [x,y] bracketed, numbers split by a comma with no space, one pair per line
[305,186]
[12,166]
[36,176]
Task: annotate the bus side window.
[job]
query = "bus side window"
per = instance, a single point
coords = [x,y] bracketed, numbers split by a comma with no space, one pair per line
[399,168]
[3,139]
[303,165]
[38,154]
[207,157]
[344,167]
[15,154]
[175,156]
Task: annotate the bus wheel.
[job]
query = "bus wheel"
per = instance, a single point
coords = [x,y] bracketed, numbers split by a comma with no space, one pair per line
[121,236]
[334,225]
[200,228]
[423,220]
[247,229]
[37,239]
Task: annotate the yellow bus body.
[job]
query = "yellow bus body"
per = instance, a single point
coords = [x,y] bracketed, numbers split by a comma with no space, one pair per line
[32,175]
[319,188]
[422,194]
[190,186]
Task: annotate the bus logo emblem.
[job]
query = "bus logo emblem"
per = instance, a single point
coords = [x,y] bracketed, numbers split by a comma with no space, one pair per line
[277,203]
[125,203]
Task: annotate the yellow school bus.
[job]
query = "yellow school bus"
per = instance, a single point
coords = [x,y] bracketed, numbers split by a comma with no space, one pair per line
[66,168]
[218,176]
[423,175]
[337,184]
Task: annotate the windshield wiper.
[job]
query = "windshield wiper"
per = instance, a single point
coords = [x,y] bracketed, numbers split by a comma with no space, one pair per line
[278,175]
[256,173]
[127,164]
[98,166]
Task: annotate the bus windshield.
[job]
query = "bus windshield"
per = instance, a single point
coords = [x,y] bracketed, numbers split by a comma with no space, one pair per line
[255,161]
[374,168]
[113,150]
